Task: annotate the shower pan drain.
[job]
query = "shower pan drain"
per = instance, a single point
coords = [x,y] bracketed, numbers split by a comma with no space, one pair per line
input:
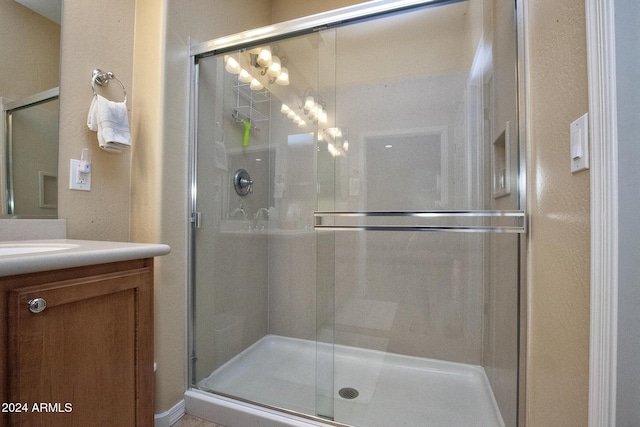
[348,393]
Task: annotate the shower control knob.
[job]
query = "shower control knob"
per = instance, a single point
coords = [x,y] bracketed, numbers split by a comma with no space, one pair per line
[37,305]
[242,182]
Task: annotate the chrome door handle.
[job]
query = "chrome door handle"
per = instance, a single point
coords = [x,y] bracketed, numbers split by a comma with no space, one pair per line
[37,305]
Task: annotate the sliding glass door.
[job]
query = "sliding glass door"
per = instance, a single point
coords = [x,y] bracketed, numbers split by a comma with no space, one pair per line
[357,217]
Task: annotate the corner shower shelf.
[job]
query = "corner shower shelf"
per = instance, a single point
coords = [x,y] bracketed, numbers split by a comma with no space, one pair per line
[246,101]
[255,96]
[250,114]
[453,221]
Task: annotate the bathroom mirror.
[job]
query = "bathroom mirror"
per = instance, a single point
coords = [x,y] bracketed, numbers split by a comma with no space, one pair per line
[30,69]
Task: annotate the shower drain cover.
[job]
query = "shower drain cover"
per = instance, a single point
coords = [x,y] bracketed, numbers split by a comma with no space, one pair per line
[348,393]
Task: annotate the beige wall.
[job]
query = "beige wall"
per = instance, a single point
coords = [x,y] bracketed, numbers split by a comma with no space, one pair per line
[30,51]
[558,364]
[159,176]
[152,206]
[284,10]
[146,199]
[94,35]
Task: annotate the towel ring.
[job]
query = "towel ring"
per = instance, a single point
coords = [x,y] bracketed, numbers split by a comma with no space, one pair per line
[102,79]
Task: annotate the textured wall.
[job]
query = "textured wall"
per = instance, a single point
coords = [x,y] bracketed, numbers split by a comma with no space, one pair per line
[30,51]
[94,36]
[284,10]
[146,199]
[159,175]
[558,364]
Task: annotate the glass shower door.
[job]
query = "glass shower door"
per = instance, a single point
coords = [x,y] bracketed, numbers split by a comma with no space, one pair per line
[357,219]
[419,218]
[261,328]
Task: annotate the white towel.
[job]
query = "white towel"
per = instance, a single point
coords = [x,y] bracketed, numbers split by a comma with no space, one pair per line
[92,119]
[110,119]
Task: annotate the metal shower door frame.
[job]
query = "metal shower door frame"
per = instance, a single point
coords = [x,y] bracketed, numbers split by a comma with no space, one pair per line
[334,19]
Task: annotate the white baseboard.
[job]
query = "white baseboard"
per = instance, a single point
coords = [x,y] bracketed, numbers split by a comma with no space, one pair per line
[170,417]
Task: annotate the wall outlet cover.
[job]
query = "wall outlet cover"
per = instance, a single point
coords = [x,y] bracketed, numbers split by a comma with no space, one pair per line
[77,180]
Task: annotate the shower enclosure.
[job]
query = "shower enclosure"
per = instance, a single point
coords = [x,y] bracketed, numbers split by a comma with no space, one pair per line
[29,158]
[358,216]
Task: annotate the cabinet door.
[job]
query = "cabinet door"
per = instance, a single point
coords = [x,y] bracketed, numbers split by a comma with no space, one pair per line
[87,358]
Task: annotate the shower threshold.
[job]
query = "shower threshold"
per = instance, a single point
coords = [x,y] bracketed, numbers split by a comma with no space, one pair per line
[370,388]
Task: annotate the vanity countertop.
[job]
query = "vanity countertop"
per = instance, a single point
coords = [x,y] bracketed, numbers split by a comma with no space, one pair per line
[30,256]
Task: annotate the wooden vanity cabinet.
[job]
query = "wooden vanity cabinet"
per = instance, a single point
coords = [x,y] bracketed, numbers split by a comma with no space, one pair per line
[87,358]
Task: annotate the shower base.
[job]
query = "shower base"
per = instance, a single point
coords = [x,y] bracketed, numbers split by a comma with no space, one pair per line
[392,390]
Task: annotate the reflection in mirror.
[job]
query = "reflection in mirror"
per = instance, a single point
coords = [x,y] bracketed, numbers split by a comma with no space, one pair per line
[31,139]
[29,65]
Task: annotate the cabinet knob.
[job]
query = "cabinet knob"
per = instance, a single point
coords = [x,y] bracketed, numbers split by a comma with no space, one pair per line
[37,305]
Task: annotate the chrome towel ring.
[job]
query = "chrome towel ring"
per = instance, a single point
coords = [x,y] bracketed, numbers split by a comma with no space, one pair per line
[102,79]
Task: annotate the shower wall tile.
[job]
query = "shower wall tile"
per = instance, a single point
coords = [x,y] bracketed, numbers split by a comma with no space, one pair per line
[500,357]
[417,294]
[231,297]
[432,295]
[292,279]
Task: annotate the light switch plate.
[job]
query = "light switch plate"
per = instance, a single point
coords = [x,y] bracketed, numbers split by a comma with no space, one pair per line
[580,144]
[84,183]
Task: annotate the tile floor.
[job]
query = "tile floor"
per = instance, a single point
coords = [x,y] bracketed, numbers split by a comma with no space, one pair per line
[191,421]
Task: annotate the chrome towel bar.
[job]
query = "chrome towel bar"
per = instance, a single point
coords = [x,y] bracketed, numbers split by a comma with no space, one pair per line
[470,221]
[102,79]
